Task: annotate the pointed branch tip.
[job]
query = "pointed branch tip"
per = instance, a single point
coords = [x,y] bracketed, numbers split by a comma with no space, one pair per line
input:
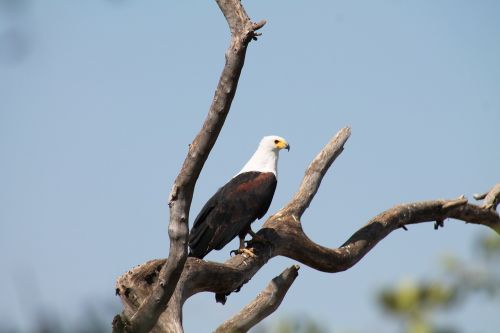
[258,25]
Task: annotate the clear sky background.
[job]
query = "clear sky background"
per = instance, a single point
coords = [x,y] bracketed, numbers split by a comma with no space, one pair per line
[100,99]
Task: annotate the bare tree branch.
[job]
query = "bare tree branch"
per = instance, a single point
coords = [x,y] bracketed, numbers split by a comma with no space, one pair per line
[154,293]
[314,174]
[263,305]
[491,198]
[293,243]
[243,30]
[285,237]
[237,18]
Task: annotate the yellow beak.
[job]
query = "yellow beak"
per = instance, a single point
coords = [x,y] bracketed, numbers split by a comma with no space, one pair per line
[283,145]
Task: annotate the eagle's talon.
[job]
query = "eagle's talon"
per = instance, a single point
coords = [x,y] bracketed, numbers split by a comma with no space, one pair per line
[247,251]
[244,250]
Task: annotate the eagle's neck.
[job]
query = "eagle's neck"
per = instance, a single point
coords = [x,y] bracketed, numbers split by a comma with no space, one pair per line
[263,160]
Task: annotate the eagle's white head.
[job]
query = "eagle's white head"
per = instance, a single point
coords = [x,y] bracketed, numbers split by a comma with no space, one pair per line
[265,158]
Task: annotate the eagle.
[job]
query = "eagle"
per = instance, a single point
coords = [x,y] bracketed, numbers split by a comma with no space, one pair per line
[242,200]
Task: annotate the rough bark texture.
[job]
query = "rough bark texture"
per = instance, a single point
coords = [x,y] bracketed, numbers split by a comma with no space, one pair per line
[144,318]
[285,237]
[263,305]
[491,199]
[153,293]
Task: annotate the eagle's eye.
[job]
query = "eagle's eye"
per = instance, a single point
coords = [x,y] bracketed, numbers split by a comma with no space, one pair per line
[276,141]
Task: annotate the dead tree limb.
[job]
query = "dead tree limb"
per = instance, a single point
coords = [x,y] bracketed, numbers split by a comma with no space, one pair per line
[285,237]
[144,318]
[491,199]
[263,305]
[154,293]
[314,175]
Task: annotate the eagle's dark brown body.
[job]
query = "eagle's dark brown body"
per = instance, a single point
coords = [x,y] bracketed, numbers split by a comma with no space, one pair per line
[231,210]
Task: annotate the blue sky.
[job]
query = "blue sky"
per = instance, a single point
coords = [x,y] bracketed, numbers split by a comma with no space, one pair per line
[99,100]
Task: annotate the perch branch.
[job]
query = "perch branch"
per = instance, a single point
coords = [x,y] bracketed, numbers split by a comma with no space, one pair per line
[242,30]
[286,237]
[263,305]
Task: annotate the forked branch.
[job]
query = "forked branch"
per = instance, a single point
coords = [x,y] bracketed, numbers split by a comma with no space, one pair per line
[285,237]
[153,293]
[146,316]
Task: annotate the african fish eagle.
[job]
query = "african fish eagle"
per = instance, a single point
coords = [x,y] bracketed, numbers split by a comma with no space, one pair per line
[245,198]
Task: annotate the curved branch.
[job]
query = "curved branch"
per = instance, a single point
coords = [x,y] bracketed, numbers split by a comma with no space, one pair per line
[285,236]
[314,174]
[293,243]
[153,294]
[243,30]
[263,305]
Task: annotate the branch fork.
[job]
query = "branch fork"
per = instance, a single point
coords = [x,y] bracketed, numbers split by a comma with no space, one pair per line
[153,293]
[285,237]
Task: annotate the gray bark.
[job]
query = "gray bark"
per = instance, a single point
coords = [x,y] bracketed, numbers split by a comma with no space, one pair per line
[154,293]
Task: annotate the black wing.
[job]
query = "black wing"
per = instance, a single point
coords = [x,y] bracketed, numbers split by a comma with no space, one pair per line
[231,210]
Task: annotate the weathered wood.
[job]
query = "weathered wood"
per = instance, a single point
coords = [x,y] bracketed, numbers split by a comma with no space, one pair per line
[491,199]
[243,31]
[285,236]
[314,175]
[263,305]
[154,293]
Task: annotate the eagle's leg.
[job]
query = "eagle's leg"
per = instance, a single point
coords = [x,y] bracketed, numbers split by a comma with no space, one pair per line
[242,249]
